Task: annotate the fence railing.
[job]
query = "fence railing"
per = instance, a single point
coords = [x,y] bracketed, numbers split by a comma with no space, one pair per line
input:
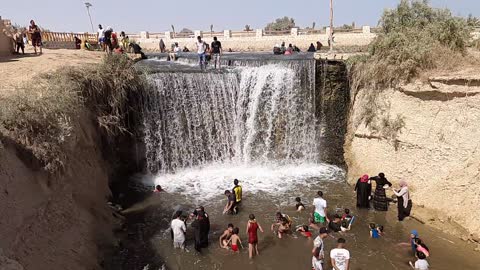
[183,35]
[243,33]
[276,32]
[157,35]
[63,36]
[254,33]
[212,34]
[133,36]
[310,31]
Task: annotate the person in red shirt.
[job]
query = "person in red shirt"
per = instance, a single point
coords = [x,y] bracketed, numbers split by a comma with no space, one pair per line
[252,227]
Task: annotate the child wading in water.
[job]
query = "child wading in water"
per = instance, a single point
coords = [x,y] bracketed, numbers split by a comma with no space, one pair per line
[299,206]
[235,240]
[252,227]
[225,237]
[421,263]
[375,231]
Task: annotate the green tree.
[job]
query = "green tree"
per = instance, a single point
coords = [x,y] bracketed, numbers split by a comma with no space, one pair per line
[281,24]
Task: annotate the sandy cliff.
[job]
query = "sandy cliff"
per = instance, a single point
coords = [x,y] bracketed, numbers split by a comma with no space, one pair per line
[436,148]
[59,221]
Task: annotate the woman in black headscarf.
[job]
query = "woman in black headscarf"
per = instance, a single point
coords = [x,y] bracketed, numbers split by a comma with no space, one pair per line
[364,190]
[380,202]
[201,225]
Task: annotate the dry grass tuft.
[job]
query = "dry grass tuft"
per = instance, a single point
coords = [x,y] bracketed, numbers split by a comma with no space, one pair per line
[38,115]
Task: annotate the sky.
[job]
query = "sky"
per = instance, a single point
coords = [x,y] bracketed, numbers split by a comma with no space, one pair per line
[134,16]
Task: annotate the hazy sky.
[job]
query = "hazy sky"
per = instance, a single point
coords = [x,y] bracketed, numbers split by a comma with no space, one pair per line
[158,15]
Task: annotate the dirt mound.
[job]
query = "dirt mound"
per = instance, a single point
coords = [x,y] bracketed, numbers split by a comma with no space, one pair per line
[59,221]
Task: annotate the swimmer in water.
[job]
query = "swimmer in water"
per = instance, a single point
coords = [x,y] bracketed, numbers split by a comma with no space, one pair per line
[158,188]
[225,237]
[380,229]
[374,233]
[335,224]
[421,247]
[346,215]
[283,226]
[235,240]
[303,230]
[345,226]
[299,206]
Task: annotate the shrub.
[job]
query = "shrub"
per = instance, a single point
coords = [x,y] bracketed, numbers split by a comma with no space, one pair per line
[38,115]
[414,37]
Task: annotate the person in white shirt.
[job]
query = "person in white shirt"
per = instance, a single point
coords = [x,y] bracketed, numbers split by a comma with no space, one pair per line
[201,49]
[339,256]
[101,36]
[318,253]
[421,263]
[179,229]
[320,210]
[175,52]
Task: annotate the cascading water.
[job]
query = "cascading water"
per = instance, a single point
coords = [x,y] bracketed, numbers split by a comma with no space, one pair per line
[249,114]
[255,122]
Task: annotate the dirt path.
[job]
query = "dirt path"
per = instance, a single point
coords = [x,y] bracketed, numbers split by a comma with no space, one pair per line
[16,69]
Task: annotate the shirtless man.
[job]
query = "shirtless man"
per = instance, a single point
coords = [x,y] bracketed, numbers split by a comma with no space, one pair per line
[225,237]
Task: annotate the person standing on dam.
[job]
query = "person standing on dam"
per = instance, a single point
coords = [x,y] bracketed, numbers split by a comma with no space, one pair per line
[216,52]
[201,51]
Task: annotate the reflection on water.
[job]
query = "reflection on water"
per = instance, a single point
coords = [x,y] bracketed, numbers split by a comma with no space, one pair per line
[293,252]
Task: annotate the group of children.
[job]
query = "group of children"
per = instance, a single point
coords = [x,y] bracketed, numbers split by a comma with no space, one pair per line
[231,240]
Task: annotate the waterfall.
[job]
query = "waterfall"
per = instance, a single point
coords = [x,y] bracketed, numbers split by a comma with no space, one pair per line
[253,113]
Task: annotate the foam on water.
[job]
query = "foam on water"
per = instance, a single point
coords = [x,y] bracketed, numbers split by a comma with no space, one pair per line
[207,182]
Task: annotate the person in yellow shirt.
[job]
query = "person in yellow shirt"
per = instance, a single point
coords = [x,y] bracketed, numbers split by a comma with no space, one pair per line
[237,190]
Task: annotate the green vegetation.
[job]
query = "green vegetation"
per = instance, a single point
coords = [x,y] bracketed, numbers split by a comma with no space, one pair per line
[38,116]
[414,37]
[281,24]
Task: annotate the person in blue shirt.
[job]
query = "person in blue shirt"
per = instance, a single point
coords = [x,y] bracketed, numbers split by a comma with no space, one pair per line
[374,233]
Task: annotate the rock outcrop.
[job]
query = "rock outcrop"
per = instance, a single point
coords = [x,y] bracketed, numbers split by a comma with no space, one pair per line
[427,134]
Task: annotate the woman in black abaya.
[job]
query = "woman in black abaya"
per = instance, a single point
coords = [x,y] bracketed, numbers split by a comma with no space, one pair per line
[201,225]
[364,190]
[380,202]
